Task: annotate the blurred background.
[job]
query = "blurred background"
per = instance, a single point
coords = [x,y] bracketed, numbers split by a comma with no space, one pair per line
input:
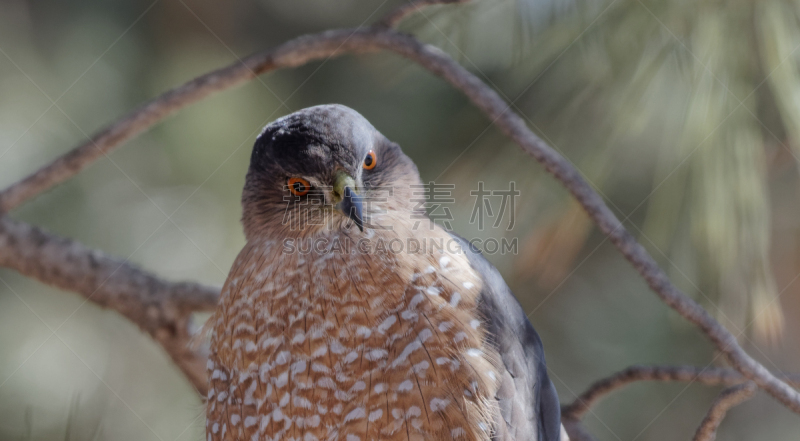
[684,115]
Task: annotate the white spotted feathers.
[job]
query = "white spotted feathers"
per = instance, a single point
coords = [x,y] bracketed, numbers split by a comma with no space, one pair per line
[350,346]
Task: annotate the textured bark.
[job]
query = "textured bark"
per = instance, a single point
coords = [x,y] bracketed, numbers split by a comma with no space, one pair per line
[729,398]
[710,376]
[158,307]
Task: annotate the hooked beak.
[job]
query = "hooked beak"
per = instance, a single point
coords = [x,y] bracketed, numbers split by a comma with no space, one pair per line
[348,202]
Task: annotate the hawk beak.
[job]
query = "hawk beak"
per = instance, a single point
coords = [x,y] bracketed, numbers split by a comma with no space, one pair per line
[349,202]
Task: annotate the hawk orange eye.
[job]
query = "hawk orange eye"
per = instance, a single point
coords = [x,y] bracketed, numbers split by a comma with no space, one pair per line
[370,161]
[299,186]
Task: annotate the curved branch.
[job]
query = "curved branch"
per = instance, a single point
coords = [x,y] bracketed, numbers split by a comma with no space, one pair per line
[514,127]
[710,376]
[293,53]
[729,398]
[333,43]
[160,308]
[290,54]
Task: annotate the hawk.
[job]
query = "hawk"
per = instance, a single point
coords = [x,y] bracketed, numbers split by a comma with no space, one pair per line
[349,315]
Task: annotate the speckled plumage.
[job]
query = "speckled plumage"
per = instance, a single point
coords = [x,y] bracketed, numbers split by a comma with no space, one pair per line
[340,342]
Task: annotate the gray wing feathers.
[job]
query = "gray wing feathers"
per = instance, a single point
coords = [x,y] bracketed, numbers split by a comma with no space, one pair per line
[529,407]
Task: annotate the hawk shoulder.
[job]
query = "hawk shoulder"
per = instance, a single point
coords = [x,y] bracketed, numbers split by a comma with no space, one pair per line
[527,398]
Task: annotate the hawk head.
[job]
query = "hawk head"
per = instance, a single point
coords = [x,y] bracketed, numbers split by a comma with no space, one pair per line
[324,168]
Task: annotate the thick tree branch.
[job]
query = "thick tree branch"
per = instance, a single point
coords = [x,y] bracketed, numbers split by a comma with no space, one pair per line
[160,308]
[333,43]
[729,398]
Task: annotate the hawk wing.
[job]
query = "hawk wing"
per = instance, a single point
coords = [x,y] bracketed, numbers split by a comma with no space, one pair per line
[527,399]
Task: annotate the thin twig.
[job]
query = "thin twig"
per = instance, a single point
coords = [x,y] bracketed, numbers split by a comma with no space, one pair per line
[710,376]
[333,43]
[160,308]
[727,399]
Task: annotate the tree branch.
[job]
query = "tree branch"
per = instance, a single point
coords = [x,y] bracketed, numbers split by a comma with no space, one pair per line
[710,376]
[291,54]
[160,308]
[572,413]
[514,126]
[334,43]
[729,398]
